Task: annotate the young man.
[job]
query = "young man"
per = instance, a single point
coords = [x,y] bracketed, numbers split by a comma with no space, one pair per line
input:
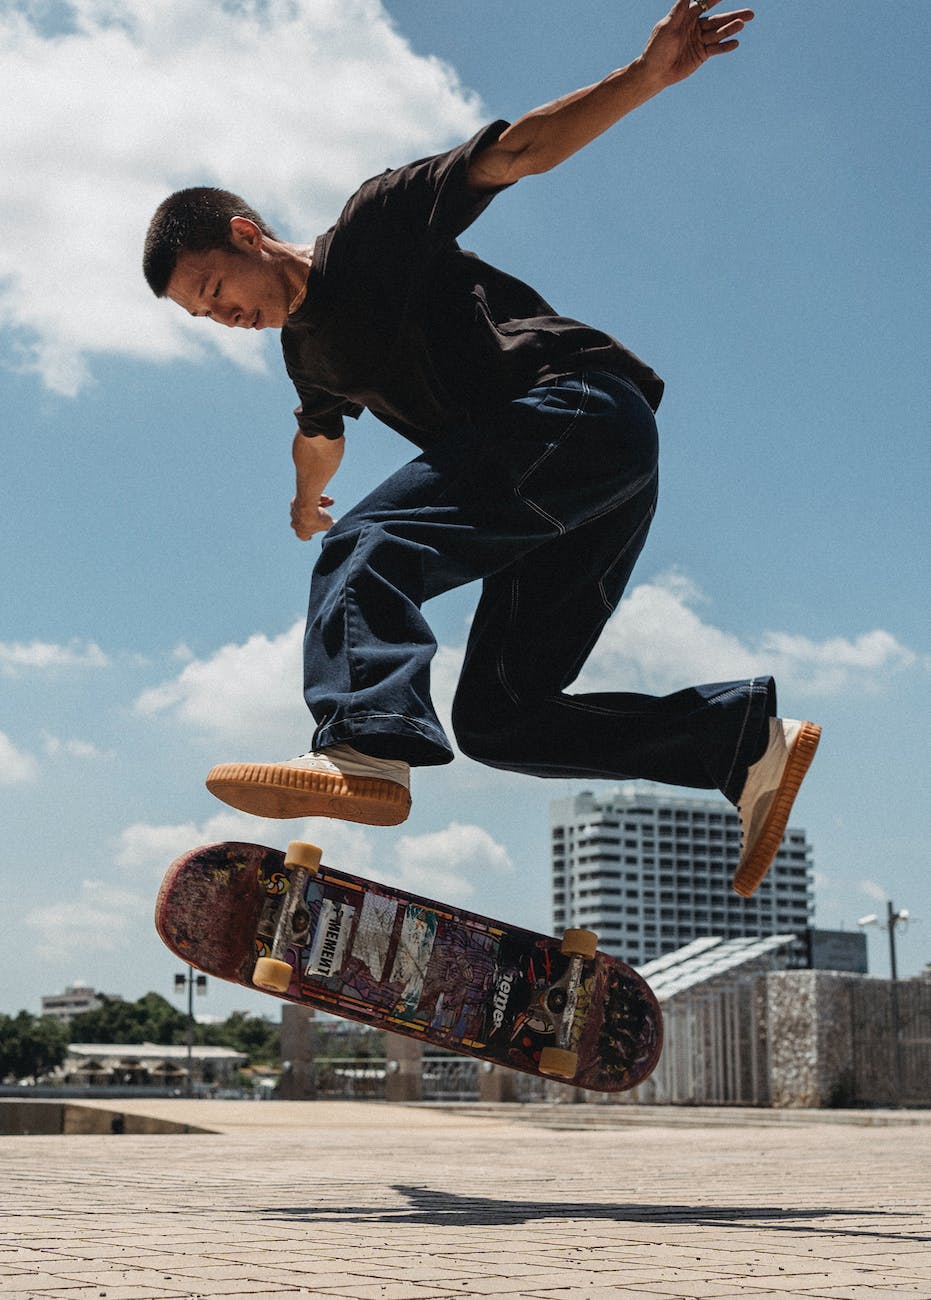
[537,475]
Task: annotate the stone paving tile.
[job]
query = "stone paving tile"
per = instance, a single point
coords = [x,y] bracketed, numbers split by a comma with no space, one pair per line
[470,1206]
[388,1291]
[590,1293]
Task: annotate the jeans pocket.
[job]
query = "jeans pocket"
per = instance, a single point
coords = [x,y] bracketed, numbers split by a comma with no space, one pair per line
[597,449]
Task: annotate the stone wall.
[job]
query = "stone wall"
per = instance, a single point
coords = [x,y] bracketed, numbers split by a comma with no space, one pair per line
[840,1040]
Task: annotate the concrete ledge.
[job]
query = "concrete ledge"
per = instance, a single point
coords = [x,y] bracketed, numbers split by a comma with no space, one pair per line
[37,1118]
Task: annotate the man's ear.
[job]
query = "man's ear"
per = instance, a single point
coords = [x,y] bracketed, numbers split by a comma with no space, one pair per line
[245,234]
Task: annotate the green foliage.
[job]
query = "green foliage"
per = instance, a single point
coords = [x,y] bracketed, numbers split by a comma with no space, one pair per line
[30,1046]
[259,1038]
[150,1019]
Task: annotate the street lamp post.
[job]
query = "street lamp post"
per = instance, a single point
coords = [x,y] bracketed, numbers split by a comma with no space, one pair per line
[893,919]
[192,981]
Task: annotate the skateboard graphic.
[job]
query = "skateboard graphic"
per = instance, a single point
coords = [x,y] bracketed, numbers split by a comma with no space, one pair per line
[293,927]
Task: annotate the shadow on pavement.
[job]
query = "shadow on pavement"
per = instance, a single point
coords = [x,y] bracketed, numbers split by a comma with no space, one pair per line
[426,1206]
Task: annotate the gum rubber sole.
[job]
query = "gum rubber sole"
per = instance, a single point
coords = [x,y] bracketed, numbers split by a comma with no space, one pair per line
[276,790]
[751,872]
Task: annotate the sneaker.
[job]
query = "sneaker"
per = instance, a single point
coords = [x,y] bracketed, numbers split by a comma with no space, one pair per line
[334,782]
[767,797]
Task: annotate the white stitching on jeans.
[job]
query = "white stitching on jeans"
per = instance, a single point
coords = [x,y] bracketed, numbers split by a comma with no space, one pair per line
[743,729]
[643,525]
[500,669]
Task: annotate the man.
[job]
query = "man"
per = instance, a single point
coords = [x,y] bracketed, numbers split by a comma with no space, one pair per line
[537,475]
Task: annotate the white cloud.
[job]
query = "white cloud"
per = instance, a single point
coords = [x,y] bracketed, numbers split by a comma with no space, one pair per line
[42,656]
[248,696]
[80,749]
[16,767]
[103,918]
[289,102]
[440,864]
[445,864]
[145,848]
[657,643]
[872,890]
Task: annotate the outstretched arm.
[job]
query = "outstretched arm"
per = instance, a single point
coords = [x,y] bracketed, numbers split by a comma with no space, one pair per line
[679,44]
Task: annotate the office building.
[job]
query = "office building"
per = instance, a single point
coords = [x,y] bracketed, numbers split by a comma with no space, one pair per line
[77,998]
[651,871]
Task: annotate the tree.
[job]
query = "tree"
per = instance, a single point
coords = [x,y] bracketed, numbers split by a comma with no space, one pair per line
[31,1046]
[259,1038]
[150,1019]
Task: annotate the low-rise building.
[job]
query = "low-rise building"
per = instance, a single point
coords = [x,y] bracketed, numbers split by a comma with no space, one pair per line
[76,999]
[149,1065]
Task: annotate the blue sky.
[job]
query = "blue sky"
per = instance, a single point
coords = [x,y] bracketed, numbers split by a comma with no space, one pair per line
[758,234]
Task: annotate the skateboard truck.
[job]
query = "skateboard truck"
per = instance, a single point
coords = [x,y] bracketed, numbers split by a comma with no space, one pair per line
[272,972]
[562,999]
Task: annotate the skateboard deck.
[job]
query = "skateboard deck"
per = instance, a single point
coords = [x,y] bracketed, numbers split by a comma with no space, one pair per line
[376,954]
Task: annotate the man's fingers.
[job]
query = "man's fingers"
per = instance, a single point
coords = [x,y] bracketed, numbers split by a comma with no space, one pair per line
[714,35]
[715,22]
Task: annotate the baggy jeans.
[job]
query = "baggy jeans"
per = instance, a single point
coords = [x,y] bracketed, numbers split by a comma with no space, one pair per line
[549,507]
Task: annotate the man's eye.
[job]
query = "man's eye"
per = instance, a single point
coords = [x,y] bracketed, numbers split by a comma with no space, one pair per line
[216,292]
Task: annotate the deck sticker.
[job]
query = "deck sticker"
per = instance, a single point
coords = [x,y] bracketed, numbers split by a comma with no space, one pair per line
[418,932]
[504,983]
[373,933]
[330,939]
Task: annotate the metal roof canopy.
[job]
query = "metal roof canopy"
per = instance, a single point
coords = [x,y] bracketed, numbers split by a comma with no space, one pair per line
[706,959]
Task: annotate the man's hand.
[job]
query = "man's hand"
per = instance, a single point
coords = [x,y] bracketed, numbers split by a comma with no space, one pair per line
[679,44]
[689,35]
[316,460]
[306,520]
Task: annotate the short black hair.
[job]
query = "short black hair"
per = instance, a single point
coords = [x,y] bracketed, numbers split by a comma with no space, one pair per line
[192,220]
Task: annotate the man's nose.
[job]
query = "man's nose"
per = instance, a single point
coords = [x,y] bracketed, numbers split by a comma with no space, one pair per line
[230,316]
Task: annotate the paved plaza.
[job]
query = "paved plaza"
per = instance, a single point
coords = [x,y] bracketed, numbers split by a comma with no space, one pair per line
[391,1202]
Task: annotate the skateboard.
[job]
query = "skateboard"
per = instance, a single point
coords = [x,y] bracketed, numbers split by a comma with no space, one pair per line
[287,924]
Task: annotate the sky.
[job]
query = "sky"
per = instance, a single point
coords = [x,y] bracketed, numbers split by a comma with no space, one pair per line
[759,234]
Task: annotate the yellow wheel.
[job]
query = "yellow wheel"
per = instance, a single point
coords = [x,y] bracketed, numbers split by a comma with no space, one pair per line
[559,1063]
[580,943]
[275,976]
[304,855]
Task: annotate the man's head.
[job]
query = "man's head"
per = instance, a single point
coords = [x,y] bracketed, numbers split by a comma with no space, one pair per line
[196,220]
[213,255]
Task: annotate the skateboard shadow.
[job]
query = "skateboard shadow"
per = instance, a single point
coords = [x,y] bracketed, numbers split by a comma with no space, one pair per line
[429,1207]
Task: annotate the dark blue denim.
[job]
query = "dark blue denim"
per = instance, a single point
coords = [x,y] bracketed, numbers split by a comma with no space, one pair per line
[549,505]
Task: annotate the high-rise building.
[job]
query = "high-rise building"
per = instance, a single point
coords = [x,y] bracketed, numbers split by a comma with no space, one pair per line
[651,871]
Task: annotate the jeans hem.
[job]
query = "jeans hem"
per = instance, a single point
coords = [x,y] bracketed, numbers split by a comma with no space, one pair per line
[761,706]
[398,737]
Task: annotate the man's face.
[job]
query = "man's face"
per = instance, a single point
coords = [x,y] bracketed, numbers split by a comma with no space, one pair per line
[242,288]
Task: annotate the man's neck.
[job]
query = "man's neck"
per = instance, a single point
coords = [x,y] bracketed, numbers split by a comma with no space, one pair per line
[298,269]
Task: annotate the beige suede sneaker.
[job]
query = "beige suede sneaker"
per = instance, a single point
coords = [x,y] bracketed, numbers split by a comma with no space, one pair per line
[767,797]
[337,781]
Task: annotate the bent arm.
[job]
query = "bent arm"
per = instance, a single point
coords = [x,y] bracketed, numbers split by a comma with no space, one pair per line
[679,44]
[316,460]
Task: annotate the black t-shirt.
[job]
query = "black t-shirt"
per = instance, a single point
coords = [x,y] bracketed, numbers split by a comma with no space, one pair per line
[398,318]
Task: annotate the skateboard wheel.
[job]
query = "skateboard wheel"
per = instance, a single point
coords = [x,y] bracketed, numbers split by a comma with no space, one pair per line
[580,943]
[304,855]
[558,1062]
[275,976]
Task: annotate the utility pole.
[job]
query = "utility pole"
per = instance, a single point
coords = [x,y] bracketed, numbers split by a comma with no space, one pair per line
[893,918]
[192,980]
